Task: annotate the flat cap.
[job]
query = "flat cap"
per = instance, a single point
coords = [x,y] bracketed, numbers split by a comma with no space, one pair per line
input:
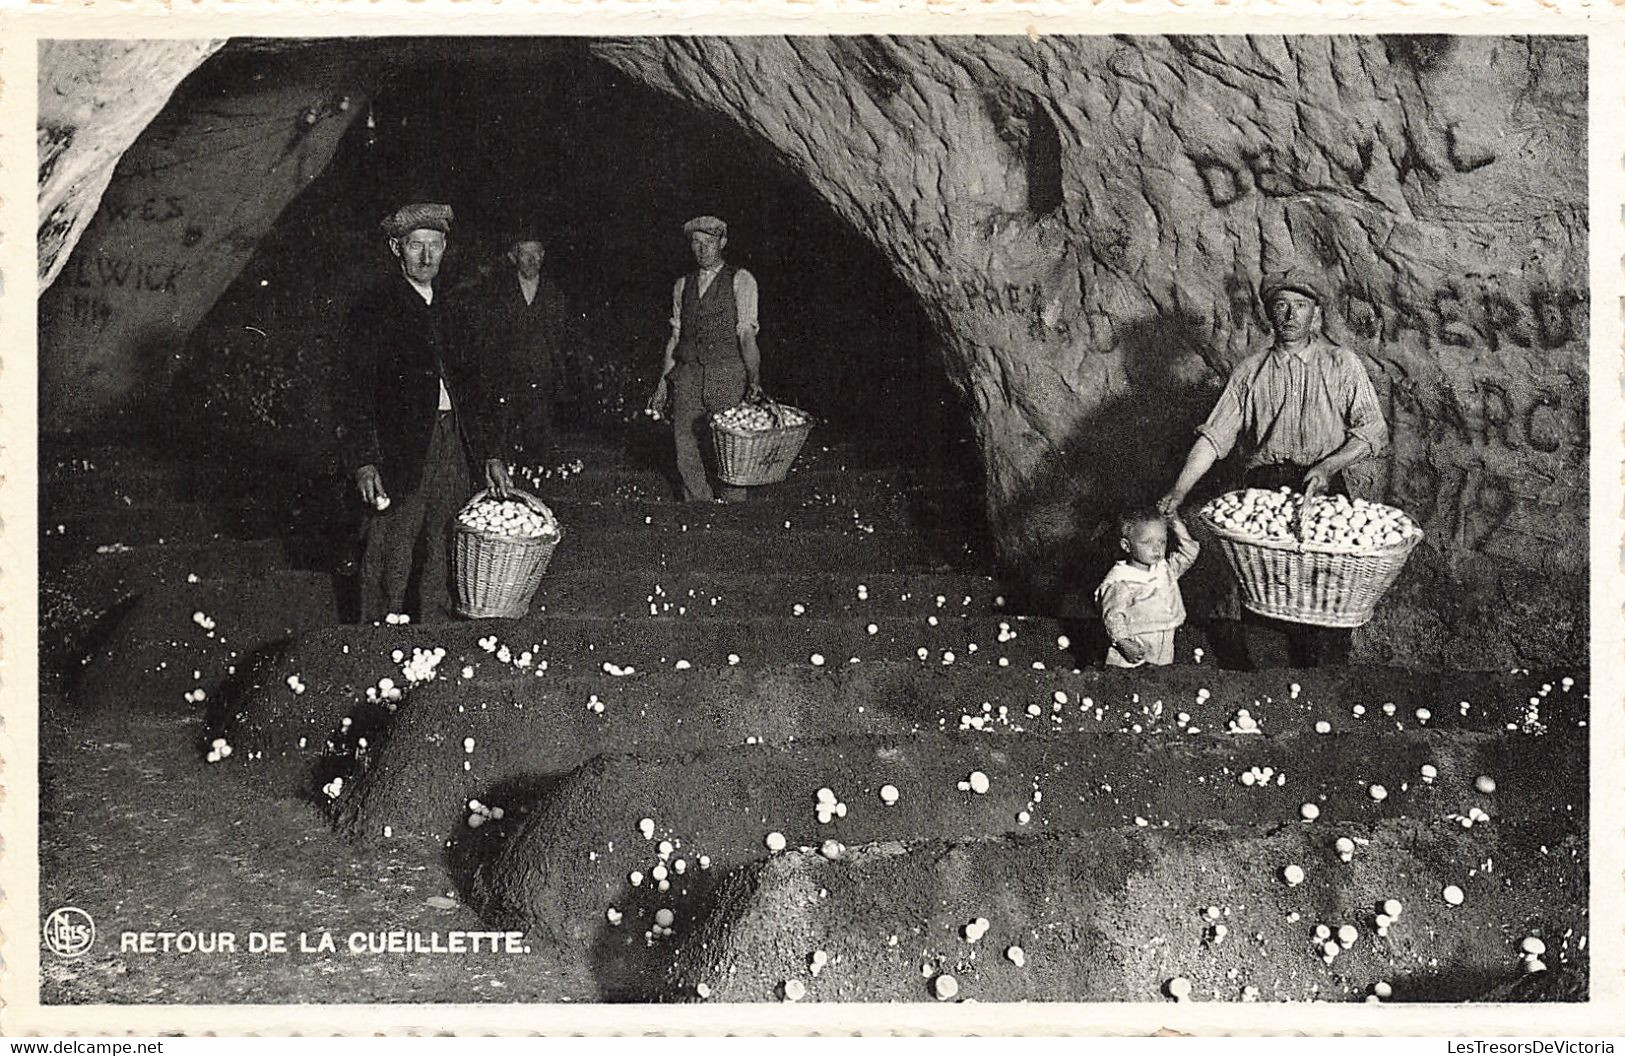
[415,217]
[709,224]
[1298,280]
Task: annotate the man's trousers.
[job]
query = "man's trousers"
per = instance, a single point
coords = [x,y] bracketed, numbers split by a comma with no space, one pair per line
[697,392]
[415,534]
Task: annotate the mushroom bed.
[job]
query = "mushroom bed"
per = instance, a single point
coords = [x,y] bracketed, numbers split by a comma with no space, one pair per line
[1114,809]
[686,781]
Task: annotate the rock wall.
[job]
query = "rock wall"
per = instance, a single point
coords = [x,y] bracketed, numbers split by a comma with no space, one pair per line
[1085,219]
[95,97]
[181,214]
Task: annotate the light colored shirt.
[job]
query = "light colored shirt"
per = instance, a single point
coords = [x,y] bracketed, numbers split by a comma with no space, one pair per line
[528,288]
[1296,407]
[1137,601]
[427,293]
[745,298]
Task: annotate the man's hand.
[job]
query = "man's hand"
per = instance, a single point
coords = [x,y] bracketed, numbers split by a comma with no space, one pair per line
[370,483]
[496,477]
[1169,504]
[1317,480]
[657,402]
[753,389]
[1131,649]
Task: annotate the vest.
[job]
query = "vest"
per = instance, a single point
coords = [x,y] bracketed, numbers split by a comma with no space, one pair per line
[709,325]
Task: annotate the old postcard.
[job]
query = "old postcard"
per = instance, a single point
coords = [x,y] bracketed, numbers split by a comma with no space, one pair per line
[807,519]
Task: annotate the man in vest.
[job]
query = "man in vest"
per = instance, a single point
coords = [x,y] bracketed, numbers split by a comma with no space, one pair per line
[1302,411]
[412,434]
[712,362]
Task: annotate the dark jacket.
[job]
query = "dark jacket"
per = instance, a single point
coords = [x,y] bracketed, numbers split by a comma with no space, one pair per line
[522,344]
[396,349]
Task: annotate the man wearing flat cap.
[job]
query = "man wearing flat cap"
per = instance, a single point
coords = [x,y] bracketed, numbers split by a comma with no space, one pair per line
[1303,411]
[521,325]
[712,362]
[412,434]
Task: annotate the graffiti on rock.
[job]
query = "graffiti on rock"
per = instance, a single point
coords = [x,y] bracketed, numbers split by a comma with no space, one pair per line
[1472,313]
[122,273]
[1480,467]
[1475,311]
[88,311]
[1492,416]
[1006,300]
[156,209]
[1271,172]
[1469,504]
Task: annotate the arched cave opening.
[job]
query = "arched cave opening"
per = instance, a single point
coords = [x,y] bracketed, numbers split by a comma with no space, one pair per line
[526,134]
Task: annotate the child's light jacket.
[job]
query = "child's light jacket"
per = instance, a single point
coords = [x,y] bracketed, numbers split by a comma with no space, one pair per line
[1141,600]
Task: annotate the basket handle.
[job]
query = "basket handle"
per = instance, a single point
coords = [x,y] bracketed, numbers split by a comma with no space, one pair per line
[1300,522]
[775,410]
[513,493]
[771,406]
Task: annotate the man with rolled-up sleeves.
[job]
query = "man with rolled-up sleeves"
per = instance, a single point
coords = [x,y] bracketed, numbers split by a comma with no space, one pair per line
[712,362]
[1303,411]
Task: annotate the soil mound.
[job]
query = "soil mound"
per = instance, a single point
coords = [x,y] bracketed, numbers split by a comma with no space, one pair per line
[1118,915]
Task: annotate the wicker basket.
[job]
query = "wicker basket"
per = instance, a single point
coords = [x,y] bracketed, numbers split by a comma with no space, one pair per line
[748,459]
[1313,583]
[497,575]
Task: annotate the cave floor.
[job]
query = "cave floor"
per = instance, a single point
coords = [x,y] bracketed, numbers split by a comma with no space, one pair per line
[804,612]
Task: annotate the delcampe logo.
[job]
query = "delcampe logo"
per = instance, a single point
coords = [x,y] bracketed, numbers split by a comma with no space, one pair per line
[69,932]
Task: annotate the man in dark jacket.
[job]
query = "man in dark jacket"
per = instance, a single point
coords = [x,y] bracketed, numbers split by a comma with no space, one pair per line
[520,324]
[412,434]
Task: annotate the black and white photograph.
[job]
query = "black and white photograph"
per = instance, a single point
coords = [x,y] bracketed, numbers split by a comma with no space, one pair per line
[791,519]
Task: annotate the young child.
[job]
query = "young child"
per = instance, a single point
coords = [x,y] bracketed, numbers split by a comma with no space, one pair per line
[1140,596]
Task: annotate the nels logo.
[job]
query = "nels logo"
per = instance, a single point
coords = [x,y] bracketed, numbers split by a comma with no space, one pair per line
[69,932]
